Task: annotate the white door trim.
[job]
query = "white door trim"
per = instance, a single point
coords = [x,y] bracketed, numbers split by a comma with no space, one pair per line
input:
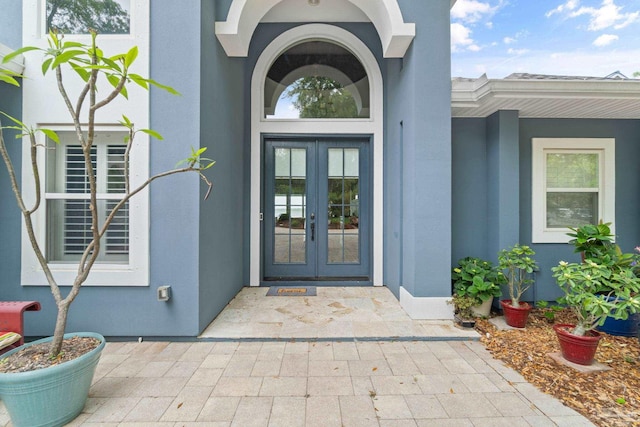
[260,125]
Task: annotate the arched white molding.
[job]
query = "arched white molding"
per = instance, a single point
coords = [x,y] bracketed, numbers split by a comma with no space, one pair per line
[244,16]
[370,126]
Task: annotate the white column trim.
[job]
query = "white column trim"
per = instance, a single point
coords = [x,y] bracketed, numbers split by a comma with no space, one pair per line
[425,308]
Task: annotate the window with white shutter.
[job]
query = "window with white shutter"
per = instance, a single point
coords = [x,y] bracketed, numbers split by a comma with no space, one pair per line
[67,198]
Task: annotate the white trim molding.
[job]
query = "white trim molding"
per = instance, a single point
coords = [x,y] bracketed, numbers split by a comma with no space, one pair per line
[244,16]
[605,149]
[369,126]
[425,308]
[53,114]
[16,65]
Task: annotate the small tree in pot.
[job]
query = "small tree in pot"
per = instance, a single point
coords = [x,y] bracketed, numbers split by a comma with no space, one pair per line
[88,63]
[519,265]
[594,291]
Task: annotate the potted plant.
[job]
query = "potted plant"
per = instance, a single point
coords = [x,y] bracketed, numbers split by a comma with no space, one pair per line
[519,266]
[480,280]
[595,242]
[594,291]
[55,395]
[462,310]
[592,241]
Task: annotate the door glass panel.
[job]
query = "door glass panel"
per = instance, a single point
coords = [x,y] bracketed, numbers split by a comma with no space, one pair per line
[343,223]
[290,203]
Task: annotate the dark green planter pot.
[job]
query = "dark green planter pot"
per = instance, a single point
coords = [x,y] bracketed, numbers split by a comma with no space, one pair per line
[51,396]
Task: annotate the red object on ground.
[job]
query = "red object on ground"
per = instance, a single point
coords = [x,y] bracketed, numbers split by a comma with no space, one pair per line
[515,316]
[574,348]
[11,316]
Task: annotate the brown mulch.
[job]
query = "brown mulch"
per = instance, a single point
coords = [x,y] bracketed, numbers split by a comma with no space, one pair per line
[610,398]
[37,356]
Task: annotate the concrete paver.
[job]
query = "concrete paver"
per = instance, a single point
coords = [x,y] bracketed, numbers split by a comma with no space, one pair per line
[353,381]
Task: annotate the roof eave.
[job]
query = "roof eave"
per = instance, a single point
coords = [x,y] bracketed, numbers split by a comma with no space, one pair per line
[16,64]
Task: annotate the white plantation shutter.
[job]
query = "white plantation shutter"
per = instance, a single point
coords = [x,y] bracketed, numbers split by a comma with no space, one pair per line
[69,216]
[117,237]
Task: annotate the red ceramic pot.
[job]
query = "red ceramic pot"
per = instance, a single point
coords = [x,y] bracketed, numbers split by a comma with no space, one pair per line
[515,316]
[575,348]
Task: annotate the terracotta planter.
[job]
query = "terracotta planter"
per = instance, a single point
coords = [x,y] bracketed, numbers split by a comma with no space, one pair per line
[574,348]
[515,316]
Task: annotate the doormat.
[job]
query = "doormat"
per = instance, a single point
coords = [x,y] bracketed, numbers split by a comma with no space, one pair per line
[292,291]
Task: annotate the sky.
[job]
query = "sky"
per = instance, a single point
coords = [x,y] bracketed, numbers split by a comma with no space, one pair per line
[562,37]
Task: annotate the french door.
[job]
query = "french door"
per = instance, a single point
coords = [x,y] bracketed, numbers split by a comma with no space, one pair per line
[317,209]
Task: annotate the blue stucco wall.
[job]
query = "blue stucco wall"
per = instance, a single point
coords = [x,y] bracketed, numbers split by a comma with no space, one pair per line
[627,136]
[222,120]
[503,187]
[473,143]
[419,98]
[174,234]
[469,214]
[11,23]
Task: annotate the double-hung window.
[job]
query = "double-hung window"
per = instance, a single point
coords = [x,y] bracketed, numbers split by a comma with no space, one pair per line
[63,223]
[573,184]
[67,198]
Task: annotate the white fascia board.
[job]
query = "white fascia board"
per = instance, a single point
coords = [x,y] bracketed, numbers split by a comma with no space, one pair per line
[467,94]
[16,65]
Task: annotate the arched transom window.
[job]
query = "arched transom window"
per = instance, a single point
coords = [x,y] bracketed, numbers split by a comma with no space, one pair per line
[316,80]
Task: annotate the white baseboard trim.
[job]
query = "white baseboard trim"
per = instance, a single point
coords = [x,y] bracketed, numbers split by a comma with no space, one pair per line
[425,308]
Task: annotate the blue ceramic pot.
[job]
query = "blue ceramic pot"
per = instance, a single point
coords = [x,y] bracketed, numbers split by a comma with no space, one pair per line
[52,396]
[622,328]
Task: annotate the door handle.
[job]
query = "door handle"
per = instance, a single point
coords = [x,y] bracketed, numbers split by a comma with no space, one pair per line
[313,227]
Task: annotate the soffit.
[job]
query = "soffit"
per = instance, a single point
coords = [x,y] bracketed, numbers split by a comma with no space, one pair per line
[16,64]
[590,99]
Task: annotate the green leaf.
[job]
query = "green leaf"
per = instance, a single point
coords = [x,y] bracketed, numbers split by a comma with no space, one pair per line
[164,87]
[126,122]
[21,125]
[67,45]
[113,79]
[45,65]
[65,57]
[112,65]
[51,135]
[18,52]
[139,80]
[130,56]
[84,74]
[153,133]
[5,77]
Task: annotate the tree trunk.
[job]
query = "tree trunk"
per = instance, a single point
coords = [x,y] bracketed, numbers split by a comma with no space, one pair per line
[58,334]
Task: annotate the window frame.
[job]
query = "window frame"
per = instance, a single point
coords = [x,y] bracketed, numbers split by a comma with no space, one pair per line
[135,272]
[605,148]
[43,32]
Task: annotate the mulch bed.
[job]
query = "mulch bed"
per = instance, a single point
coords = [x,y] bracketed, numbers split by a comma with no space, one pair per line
[37,356]
[610,398]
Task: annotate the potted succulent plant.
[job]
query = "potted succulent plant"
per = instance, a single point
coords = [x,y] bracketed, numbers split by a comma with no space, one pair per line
[592,241]
[480,280]
[519,265]
[595,242]
[55,395]
[594,291]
